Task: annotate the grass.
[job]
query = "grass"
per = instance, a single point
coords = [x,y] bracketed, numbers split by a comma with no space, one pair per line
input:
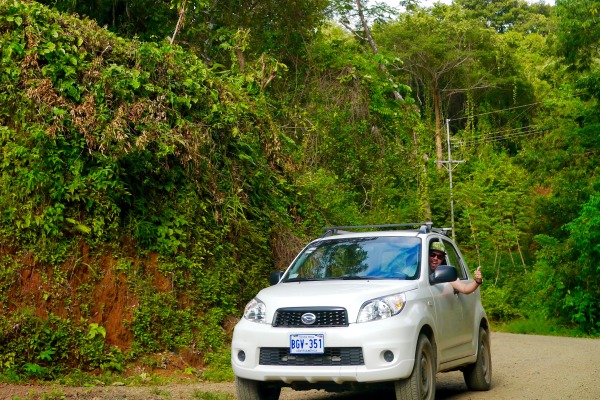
[200,395]
[131,377]
[159,392]
[536,325]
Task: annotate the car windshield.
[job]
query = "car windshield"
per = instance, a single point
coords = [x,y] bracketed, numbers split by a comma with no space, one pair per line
[385,257]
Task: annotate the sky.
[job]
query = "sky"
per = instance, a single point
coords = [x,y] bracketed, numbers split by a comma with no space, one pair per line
[396,3]
[428,3]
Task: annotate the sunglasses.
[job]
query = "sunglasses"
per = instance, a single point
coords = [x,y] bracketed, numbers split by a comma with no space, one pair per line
[438,256]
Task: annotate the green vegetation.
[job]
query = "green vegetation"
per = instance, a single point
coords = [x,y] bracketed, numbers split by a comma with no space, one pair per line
[158,164]
[211,396]
[536,325]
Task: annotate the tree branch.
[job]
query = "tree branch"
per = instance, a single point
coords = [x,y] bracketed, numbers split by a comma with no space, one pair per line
[180,20]
[374,48]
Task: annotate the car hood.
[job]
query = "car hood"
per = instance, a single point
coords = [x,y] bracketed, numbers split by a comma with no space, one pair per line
[350,295]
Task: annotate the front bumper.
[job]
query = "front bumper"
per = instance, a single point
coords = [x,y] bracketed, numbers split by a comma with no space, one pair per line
[374,338]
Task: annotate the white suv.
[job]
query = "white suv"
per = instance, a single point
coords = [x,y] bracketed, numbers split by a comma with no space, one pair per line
[363,308]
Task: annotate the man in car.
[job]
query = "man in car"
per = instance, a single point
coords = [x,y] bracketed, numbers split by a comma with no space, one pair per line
[437,257]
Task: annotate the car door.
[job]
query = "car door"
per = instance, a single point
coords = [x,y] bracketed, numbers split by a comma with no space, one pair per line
[452,312]
[463,344]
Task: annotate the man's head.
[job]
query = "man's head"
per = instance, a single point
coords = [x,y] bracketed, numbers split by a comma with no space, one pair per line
[437,255]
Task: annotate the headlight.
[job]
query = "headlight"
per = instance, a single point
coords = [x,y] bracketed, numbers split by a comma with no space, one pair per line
[381,308]
[255,311]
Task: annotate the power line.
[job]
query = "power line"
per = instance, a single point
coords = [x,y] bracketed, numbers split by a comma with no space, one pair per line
[497,139]
[501,135]
[511,108]
[514,129]
[497,111]
[450,164]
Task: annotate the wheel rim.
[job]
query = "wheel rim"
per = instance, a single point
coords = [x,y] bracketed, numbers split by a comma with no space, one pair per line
[485,360]
[426,376]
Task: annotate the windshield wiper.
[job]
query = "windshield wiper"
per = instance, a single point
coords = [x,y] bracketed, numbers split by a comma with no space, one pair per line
[344,278]
[356,277]
[301,279]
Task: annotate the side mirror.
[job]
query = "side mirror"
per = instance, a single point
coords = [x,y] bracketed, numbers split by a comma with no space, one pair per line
[443,273]
[275,277]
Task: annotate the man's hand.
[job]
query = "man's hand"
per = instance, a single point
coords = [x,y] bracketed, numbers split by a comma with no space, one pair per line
[478,275]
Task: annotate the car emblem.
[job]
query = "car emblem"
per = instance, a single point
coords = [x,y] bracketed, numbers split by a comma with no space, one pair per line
[308,318]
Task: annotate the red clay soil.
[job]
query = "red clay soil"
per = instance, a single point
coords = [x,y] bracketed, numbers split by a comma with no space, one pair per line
[90,288]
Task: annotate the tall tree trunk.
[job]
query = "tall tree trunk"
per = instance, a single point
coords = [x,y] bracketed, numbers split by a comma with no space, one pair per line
[181,13]
[438,124]
[373,45]
[368,35]
[423,192]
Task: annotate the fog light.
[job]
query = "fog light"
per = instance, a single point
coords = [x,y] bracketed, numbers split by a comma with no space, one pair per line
[388,356]
[241,356]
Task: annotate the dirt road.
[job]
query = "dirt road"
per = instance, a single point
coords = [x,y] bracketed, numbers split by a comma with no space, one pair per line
[524,367]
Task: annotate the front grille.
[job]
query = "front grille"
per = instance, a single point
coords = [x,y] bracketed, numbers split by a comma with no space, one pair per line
[325,317]
[333,356]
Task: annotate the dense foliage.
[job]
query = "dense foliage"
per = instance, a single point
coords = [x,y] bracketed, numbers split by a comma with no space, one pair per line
[159,162]
[137,152]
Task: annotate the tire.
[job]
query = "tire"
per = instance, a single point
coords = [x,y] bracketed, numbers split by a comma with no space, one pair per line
[421,382]
[256,390]
[478,376]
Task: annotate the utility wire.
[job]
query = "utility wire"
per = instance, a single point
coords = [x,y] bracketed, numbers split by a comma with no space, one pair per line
[497,111]
[515,129]
[510,108]
[500,135]
[505,135]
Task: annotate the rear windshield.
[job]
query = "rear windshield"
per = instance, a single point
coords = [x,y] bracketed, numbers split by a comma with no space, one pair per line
[358,258]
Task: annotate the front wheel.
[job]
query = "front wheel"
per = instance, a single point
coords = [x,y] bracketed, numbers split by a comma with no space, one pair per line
[478,376]
[256,390]
[421,382]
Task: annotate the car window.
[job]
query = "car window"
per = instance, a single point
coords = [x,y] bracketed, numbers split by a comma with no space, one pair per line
[356,258]
[454,259]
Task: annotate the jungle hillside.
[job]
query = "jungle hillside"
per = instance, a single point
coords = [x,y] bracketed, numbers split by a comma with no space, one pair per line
[160,159]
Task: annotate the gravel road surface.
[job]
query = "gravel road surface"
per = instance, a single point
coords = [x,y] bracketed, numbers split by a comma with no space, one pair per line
[525,367]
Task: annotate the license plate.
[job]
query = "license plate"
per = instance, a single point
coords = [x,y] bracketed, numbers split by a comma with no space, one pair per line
[307,344]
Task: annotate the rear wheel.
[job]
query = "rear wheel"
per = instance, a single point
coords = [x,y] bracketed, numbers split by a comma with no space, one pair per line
[421,382]
[478,376]
[256,390]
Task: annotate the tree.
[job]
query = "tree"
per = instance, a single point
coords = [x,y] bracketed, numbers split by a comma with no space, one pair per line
[347,12]
[507,15]
[567,272]
[493,208]
[437,50]
[579,31]
[146,19]
[208,27]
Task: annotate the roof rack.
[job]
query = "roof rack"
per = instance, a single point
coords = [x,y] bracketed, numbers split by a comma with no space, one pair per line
[423,227]
[443,231]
